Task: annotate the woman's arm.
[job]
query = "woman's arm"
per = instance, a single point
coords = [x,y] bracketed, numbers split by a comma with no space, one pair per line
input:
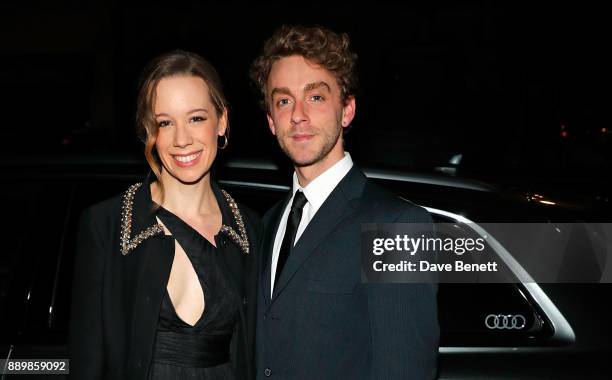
[86,338]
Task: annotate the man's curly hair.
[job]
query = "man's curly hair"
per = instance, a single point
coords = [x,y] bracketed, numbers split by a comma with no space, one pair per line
[316,44]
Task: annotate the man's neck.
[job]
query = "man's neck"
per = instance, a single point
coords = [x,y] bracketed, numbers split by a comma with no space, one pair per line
[307,174]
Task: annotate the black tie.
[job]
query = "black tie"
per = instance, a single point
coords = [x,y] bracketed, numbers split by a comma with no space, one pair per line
[293,222]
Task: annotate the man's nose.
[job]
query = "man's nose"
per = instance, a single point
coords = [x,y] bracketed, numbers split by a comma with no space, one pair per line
[299,113]
[182,136]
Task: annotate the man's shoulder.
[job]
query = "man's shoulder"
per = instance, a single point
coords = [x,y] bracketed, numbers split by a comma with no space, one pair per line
[274,210]
[397,209]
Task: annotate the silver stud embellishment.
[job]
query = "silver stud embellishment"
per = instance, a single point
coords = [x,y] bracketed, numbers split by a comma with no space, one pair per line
[128,243]
[239,237]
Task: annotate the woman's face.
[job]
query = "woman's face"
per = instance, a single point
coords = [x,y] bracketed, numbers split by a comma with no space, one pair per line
[188,127]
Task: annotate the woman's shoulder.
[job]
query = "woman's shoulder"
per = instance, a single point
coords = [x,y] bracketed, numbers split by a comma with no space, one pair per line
[113,207]
[249,214]
[104,209]
[250,218]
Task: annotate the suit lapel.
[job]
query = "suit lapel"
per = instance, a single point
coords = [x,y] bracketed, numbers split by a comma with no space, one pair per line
[271,227]
[338,206]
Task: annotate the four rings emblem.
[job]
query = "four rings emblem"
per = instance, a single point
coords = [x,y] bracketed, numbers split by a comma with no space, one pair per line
[505,322]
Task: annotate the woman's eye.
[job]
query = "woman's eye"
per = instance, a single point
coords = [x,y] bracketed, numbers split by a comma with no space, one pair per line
[163,123]
[198,119]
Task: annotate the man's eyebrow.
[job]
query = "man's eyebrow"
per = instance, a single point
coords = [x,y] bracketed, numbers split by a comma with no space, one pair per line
[281,90]
[312,86]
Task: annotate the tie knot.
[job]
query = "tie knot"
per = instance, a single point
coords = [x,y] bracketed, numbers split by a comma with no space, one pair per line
[299,200]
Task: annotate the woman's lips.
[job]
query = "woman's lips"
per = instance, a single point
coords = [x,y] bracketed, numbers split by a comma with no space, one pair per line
[184,160]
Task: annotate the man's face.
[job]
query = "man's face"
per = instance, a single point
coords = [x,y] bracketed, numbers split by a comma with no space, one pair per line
[306,113]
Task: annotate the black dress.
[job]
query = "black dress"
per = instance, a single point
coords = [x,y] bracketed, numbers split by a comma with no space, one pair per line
[201,351]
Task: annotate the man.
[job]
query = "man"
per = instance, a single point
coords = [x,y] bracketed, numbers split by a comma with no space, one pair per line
[316,320]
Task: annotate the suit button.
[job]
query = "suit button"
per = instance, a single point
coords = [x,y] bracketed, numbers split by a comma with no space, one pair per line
[265,316]
[268,372]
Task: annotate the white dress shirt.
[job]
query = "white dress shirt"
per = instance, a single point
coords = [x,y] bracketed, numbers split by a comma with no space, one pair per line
[316,193]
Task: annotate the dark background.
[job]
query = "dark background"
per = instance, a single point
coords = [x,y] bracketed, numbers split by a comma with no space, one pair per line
[516,93]
[519,91]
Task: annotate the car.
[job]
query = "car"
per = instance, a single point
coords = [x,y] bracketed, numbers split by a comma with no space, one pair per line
[524,330]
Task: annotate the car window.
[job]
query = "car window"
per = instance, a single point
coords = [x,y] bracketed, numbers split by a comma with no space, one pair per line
[260,200]
[36,212]
[37,266]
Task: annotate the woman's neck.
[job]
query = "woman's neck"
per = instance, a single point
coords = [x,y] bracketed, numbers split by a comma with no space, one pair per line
[185,199]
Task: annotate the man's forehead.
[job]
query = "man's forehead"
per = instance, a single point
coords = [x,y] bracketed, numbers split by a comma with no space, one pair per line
[295,72]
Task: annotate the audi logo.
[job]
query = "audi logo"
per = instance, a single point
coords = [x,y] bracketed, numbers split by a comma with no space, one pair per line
[505,322]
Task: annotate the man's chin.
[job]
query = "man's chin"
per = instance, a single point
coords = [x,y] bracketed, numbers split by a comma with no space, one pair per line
[302,160]
[303,164]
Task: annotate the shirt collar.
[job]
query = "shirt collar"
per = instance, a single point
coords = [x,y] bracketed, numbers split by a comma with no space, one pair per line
[318,189]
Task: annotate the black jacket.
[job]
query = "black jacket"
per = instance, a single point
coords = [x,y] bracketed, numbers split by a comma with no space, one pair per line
[322,321]
[116,298]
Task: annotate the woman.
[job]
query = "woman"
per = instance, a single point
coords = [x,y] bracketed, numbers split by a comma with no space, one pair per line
[164,272]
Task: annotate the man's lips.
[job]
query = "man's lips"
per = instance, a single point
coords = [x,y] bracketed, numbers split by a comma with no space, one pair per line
[302,137]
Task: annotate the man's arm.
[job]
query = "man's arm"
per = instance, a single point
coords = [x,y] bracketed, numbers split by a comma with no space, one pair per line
[404,323]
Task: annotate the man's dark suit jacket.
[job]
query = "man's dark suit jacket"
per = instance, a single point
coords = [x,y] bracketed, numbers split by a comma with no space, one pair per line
[322,322]
[117,298]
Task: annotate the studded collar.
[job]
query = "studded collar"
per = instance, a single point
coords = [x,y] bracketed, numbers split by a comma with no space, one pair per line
[138,221]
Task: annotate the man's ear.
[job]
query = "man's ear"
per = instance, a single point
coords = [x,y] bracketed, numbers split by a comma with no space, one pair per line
[348,111]
[271,124]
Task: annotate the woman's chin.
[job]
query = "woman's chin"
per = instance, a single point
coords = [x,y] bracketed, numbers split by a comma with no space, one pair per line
[189,176]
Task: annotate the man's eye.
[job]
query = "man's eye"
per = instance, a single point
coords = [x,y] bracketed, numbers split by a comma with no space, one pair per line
[282,102]
[197,119]
[163,123]
[317,98]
